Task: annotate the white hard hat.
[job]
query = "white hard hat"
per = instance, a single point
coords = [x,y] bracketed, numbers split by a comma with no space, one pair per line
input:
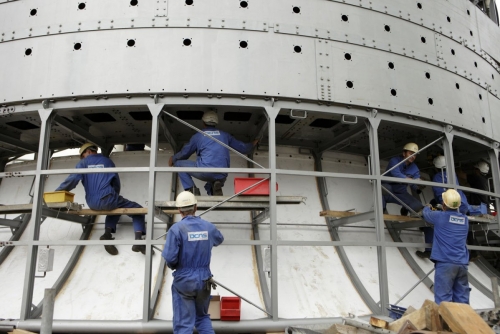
[184,199]
[86,146]
[439,162]
[210,118]
[411,147]
[483,167]
[452,199]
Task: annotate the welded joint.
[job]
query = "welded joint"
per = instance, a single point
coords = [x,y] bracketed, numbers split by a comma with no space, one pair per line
[374,113]
[448,128]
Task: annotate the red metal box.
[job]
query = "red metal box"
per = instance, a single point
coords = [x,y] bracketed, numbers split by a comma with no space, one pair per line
[230,308]
[241,183]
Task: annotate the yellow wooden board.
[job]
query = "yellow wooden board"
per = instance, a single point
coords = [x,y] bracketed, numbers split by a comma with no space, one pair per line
[340,214]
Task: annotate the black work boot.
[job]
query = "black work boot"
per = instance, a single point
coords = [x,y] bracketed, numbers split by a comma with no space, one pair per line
[195,191]
[404,211]
[107,236]
[217,188]
[423,255]
[139,248]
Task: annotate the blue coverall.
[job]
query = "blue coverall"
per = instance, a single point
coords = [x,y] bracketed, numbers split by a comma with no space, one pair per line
[400,189]
[450,255]
[438,196]
[188,250]
[209,154]
[102,191]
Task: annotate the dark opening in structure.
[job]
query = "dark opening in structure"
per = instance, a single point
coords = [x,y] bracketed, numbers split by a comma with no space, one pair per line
[134,2]
[243,44]
[431,101]
[345,18]
[131,42]
[233,116]
[186,42]
[297,49]
[243,4]
[347,56]
[349,84]
[323,123]
[296,10]
[393,92]
[23,125]
[33,12]
[190,115]
[141,115]
[81,6]
[422,39]
[391,65]
[284,119]
[77,46]
[100,117]
[28,52]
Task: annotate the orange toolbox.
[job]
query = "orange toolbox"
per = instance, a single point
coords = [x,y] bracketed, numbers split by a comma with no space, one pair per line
[241,183]
[230,308]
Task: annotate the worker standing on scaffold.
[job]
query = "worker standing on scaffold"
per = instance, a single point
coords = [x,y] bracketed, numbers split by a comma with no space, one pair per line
[449,250]
[188,250]
[405,170]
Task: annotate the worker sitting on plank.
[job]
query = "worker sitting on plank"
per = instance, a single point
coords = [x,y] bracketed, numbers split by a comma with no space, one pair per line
[187,251]
[405,170]
[449,250]
[440,177]
[209,154]
[102,192]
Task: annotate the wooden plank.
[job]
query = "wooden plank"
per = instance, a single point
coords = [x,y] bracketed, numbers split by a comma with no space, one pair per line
[345,329]
[417,318]
[21,331]
[462,319]
[409,310]
[379,323]
[340,214]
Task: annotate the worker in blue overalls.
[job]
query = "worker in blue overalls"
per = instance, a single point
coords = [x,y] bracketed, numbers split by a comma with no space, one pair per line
[440,177]
[187,251]
[449,250]
[209,154]
[102,192]
[405,170]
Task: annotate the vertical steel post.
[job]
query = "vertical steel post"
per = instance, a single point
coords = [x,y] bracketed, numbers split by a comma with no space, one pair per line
[494,289]
[155,110]
[272,113]
[379,217]
[34,226]
[48,311]
[495,172]
[448,155]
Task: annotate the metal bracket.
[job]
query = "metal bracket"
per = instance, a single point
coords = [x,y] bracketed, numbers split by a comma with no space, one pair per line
[374,113]
[298,116]
[349,119]
[496,145]
[448,128]
[45,104]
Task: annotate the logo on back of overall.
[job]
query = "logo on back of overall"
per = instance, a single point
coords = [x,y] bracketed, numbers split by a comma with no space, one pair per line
[198,236]
[213,133]
[457,220]
[96,166]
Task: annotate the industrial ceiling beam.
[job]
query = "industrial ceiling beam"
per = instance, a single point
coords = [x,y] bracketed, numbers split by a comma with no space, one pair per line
[17,143]
[79,131]
[342,138]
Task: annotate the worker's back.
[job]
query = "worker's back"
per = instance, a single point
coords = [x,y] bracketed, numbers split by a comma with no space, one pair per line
[98,185]
[189,245]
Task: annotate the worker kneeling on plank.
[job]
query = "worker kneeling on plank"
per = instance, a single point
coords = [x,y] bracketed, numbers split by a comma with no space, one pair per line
[187,251]
[440,177]
[405,170]
[102,192]
[449,250]
[209,154]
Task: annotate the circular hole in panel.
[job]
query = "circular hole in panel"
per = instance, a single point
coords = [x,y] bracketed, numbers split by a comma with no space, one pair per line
[393,92]
[131,42]
[475,64]
[457,85]
[297,49]
[391,65]
[448,19]
[344,18]
[347,56]
[243,44]
[431,101]
[296,10]
[460,110]
[134,2]
[33,12]
[480,97]
[186,42]
[349,84]
[468,12]
[387,28]
[471,33]
[28,52]
[452,52]
[243,4]
[493,77]
[81,6]
[422,39]
[484,121]
[189,2]
[77,46]
[419,5]
[427,75]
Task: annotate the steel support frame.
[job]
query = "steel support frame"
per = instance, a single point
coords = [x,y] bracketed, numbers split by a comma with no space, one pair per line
[381,244]
[373,124]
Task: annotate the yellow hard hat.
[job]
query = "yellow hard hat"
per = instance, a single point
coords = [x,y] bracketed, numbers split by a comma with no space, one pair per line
[411,147]
[86,146]
[184,199]
[452,199]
